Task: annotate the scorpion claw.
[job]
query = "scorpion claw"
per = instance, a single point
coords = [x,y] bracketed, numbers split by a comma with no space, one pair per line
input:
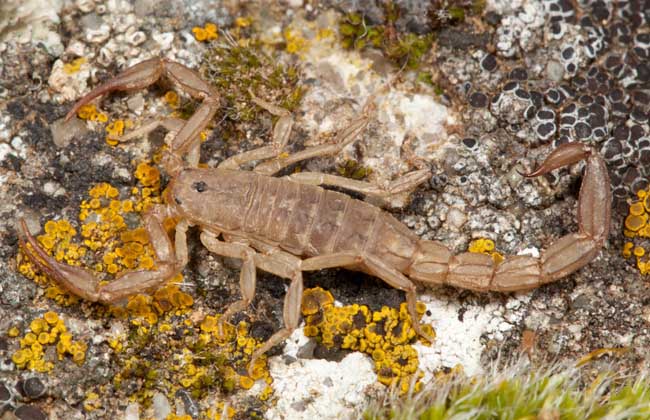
[138,76]
[77,280]
[564,155]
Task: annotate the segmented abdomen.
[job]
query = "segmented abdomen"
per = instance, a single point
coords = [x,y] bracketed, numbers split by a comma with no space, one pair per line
[308,220]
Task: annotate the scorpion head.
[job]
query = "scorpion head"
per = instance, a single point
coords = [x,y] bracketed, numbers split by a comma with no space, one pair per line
[172,163]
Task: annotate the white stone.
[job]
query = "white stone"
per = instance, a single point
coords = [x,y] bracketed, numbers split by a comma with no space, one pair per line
[318,389]
[164,39]
[68,86]
[132,412]
[161,407]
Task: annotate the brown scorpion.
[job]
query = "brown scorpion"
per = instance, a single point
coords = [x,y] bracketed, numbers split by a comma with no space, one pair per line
[289,225]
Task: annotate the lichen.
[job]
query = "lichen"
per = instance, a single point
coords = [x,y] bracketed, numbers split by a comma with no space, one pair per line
[386,335]
[637,229]
[44,332]
[206,33]
[485,246]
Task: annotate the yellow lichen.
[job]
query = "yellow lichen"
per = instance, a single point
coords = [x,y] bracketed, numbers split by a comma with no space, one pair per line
[172,99]
[485,246]
[114,130]
[636,228]
[243,22]
[222,411]
[386,335]
[74,66]
[91,401]
[13,332]
[295,42]
[46,331]
[89,112]
[206,33]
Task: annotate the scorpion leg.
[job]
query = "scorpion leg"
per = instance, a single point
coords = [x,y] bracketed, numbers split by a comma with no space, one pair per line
[173,125]
[393,277]
[280,137]
[405,183]
[139,76]
[282,128]
[375,266]
[346,137]
[84,284]
[274,261]
[247,276]
[290,314]
[170,124]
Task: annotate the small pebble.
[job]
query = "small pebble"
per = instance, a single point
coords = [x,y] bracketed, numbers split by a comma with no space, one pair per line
[161,407]
[5,395]
[30,412]
[31,388]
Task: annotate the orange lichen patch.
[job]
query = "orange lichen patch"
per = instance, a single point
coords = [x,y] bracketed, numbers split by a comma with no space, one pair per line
[91,401]
[107,244]
[315,299]
[485,246]
[148,175]
[89,112]
[202,357]
[74,66]
[243,22]
[172,99]
[115,129]
[222,411]
[637,228]
[148,309]
[634,223]
[206,33]
[386,335]
[44,332]
[296,43]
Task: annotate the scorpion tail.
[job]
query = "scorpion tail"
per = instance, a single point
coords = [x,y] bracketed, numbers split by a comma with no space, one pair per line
[433,263]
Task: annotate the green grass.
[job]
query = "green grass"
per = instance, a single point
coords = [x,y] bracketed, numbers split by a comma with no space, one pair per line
[519,393]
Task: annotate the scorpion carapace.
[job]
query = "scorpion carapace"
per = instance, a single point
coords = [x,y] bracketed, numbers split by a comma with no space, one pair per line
[289,225]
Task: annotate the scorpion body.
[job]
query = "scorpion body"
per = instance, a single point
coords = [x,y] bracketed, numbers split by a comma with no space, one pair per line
[289,225]
[304,220]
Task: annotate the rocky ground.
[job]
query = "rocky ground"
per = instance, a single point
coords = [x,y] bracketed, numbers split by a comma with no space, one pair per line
[479,92]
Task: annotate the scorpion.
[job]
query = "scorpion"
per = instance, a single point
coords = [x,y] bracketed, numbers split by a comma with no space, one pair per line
[292,224]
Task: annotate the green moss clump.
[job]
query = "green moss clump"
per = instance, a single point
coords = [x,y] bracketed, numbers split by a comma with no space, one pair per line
[517,393]
[238,69]
[403,49]
[352,169]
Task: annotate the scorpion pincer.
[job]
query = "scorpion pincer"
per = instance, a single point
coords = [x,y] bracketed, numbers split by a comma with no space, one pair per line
[291,224]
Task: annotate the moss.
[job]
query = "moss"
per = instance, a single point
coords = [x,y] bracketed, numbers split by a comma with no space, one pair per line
[242,67]
[403,49]
[521,393]
[352,169]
